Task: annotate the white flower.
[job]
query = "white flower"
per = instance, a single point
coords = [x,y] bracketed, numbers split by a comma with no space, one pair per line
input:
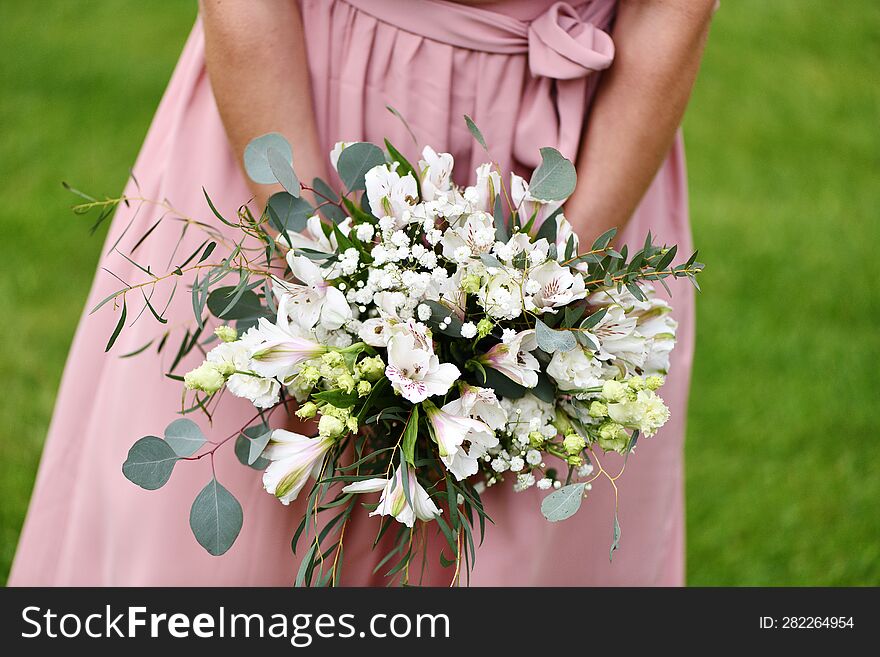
[436,169]
[482,195]
[389,193]
[480,403]
[450,430]
[468,330]
[280,350]
[564,233]
[575,369]
[293,457]
[473,236]
[533,457]
[364,232]
[527,414]
[313,237]
[393,501]
[616,336]
[313,302]
[413,369]
[647,412]
[557,286]
[336,151]
[501,297]
[514,360]
[545,483]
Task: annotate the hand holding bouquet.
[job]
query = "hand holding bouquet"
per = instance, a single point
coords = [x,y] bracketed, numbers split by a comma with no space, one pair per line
[441,339]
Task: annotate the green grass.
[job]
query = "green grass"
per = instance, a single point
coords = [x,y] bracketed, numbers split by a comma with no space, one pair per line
[784,154]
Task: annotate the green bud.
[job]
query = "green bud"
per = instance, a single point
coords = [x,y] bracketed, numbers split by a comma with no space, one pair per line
[206,377]
[307,410]
[352,423]
[613,437]
[536,439]
[371,368]
[484,327]
[226,333]
[333,359]
[225,368]
[573,443]
[470,283]
[654,382]
[330,427]
[574,460]
[562,423]
[636,383]
[598,410]
[346,382]
[614,391]
[309,376]
[363,388]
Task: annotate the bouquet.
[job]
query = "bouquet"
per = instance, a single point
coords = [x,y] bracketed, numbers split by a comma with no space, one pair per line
[439,340]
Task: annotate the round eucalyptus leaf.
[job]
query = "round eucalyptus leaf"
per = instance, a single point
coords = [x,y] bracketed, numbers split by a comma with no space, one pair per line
[555,177]
[283,171]
[289,212]
[551,340]
[243,454]
[215,518]
[563,503]
[354,162]
[256,157]
[149,463]
[184,436]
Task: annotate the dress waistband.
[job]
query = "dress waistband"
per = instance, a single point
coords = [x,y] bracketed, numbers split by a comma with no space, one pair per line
[560,43]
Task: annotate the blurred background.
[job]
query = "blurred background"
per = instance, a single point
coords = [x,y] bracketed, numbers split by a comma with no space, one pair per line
[783,135]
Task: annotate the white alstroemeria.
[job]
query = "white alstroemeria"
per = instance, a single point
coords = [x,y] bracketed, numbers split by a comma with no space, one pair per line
[474,403]
[480,403]
[393,501]
[514,360]
[647,412]
[575,370]
[436,172]
[279,350]
[521,245]
[336,151]
[293,458]
[235,357]
[476,233]
[450,431]
[389,193]
[559,286]
[528,204]
[313,236]
[564,233]
[501,295]
[481,196]
[413,369]
[618,339]
[374,332]
[313,302]
[659,329]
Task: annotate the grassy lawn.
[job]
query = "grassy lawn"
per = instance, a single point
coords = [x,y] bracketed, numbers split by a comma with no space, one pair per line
[784,154]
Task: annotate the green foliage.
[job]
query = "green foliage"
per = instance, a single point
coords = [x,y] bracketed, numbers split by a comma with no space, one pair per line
[150,463]
[215,518]
[555,177]
[563,503]
[354,162]
[184,436]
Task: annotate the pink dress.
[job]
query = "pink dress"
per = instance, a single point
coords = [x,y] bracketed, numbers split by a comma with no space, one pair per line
[525,72]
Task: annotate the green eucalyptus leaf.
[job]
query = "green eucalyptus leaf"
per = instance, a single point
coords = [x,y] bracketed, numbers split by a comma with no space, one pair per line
[283,171]
[563,503]
[288,212]
[149,463]
[354,162]
[184,436]
[554,179]
[243,452]
[440,312]
[551,341]
[256,157]
[215,518]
